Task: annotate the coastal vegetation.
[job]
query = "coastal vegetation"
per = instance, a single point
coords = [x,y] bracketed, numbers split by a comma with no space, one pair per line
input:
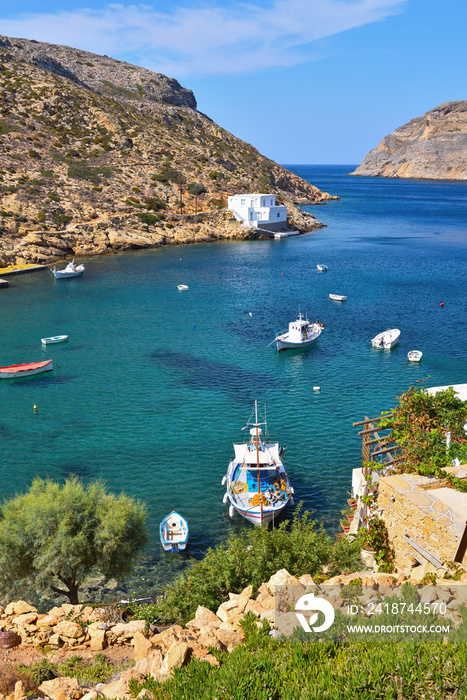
[54,535]
[248,559]
[429,431]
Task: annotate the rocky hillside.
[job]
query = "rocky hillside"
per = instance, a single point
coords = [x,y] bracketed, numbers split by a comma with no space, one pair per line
[98,155]
[432,146]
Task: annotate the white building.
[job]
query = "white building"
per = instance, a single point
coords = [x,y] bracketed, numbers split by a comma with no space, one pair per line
[258,211]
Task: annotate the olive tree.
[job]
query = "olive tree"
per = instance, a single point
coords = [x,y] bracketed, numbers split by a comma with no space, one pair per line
[54,534]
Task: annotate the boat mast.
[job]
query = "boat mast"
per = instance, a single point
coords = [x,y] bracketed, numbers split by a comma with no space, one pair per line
[257,461]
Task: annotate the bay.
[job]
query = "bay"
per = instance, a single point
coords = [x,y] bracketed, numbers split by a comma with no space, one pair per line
[154,384]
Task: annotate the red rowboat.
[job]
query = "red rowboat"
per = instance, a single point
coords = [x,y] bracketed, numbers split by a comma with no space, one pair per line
[25,370]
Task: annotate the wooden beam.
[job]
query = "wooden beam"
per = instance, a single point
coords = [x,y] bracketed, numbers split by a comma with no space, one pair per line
[371,420]
[372,430]
[424,552]
[462,548]
[382,452]
[380,439]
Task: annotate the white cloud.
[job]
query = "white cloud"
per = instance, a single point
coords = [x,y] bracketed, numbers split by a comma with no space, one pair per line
[203,40]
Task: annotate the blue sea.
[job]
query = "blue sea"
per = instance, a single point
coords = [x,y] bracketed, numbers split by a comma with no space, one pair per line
[154,385]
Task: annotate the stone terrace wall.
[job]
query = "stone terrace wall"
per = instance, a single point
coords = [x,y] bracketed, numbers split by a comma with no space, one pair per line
[413,505]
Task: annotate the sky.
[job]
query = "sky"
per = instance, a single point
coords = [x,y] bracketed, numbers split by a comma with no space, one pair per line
[304,81]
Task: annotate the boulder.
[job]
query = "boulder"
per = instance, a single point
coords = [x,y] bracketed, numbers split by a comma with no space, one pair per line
[128,629]
[19,608]
[151,664]
[229,639]
[243,598]
[120,687]
[281,578]
[142,646]
[205,617]
[62,689]
[98,640]
[69,629]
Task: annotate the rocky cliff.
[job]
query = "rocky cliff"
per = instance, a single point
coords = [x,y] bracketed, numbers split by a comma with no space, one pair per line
[432,146]
[97,155]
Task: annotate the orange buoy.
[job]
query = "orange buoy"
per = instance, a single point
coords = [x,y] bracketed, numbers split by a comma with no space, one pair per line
[442,303]
[282,274]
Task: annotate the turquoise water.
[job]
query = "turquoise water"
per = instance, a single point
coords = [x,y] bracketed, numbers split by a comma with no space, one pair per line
[154,384]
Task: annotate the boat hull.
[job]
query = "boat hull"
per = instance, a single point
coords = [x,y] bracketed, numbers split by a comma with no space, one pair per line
[60,275]
[414,356]
[15,371]
[54,339]
[388,339]
[338,297]
[254,515]
[283,343]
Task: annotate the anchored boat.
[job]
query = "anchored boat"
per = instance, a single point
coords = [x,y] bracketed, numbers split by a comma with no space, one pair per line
[26,369]
[338,297]
[301,333]
[174,532]
[414,355]
[258,486]
[71,270]
[387,339]
[54,339]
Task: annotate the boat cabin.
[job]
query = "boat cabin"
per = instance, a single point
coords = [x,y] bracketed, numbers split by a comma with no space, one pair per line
[298,330]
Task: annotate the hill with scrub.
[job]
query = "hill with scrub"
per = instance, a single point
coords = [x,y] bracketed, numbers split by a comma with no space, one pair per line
[433,146]
[97,155]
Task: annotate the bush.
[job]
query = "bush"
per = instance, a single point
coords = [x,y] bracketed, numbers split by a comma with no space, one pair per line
[147,218]
[80,170]
[154,203]
[196,188]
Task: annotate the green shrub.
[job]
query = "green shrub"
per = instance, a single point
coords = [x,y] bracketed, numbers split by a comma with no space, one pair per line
[33,154]
[196,188]
[147,218]
[40,672]
[80,170]
[154,203]
[99,670]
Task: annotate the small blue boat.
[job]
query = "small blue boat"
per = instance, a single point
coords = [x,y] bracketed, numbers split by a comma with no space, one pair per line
[174,532]
[322,268]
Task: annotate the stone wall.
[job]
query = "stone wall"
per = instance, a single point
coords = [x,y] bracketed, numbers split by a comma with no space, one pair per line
[426,510]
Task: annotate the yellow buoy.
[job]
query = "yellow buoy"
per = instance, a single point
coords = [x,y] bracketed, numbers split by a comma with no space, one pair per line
[35,408]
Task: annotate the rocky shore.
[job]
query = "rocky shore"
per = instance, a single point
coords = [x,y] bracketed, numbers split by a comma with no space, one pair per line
[99,156]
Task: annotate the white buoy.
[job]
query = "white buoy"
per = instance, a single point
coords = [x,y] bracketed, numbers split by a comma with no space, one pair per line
[231,511]
[224,479]
[250,314]
[316,388]
[226,497]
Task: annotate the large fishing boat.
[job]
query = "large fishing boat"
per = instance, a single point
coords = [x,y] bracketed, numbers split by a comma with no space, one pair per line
[301,333]
[258,487]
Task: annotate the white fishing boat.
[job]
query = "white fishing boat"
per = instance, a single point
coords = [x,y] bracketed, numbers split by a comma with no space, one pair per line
[258,487]
[387,339]
[71,270]
[174,532]
[182,287]
[301,333]
[322,268]
[338,297]
[26,369]
[414,355]
[54,339]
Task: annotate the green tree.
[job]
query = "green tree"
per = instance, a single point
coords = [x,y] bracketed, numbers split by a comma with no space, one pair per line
[56,533]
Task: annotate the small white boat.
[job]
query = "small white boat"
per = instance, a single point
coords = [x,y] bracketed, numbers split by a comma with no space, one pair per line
[54,339]
[337,297]
[174,532]
[25,370]
[257,484]
[301,333]
[322,268]
[71,270]
[182,287]
[414,355]
[387,339]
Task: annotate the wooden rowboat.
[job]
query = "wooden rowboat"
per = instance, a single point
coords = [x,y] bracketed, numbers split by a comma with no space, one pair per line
[174,532]
[25,370]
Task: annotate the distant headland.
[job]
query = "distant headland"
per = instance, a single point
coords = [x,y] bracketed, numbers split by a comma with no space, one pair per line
[433,146]
[99,156]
